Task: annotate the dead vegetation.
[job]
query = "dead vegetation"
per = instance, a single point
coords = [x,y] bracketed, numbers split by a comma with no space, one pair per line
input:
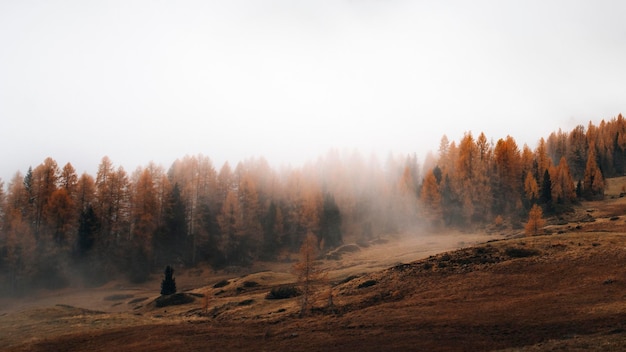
[564,290]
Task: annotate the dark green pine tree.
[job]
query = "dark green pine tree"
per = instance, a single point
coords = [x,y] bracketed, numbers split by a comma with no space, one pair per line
[168,285]
[546,189]
[270,240]
[88,226]
[330,223]
[169,239]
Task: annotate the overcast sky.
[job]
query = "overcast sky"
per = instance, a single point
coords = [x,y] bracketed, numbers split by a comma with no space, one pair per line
[151,80]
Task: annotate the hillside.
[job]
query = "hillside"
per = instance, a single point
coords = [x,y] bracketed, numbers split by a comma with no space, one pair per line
[561,291]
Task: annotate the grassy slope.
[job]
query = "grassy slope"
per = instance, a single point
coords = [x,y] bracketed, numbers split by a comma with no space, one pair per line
[556,292]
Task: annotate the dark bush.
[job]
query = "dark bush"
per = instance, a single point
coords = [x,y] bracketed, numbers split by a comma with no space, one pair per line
[283,292]
[367,283]
[246,302]
[221,284]
[250,284]
[520,252]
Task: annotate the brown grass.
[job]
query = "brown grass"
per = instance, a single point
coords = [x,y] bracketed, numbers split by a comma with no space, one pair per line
[557,292]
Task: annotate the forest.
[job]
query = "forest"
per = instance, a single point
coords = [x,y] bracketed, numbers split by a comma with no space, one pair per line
[59,228]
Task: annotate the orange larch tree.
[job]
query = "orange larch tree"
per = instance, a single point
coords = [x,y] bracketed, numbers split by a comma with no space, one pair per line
[535,221]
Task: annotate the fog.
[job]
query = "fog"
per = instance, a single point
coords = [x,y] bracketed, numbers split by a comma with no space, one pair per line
[289,80]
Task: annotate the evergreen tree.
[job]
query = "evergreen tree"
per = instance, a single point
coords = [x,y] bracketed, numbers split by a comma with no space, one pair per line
[330,223]
[270,235]
[168,285]
[169,239]
[546,189]
[88,226]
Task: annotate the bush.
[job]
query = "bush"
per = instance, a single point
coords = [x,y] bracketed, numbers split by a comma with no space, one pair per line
[283,292]
[221,284]
[250,284]
[367,283]
[520,252]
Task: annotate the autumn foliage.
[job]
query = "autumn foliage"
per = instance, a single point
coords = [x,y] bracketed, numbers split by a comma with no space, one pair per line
[535,221]
[55,222]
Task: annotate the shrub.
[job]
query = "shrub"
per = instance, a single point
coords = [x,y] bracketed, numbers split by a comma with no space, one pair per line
[221,284]
[367,283]
[520,252]
[250,284]
[283,292]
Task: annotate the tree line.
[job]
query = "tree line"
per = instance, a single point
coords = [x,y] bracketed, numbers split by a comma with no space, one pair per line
[56,225]
[478,181]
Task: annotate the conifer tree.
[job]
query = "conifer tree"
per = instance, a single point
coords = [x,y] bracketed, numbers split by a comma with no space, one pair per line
[330,223]
[168,285]
[535,221]
[308,270]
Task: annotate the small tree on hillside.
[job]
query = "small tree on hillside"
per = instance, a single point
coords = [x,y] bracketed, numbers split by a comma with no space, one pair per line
[535,221]
[168,285]
[308,270]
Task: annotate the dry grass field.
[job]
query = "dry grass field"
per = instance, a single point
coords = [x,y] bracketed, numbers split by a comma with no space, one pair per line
[562,291]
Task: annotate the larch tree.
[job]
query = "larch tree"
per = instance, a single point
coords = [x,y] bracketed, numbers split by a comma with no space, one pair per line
[231,228]
[535,221]
[465,177]
[68,179]
[309,272]
[564,190]
[507,173]
[431,198]
[542,158]
[19,242]
[482,179]
[577,148]
[144,210]
[44,183]
[61,216]
[85,192]
[250,213]
[593,182]
[104,206]
[531,189]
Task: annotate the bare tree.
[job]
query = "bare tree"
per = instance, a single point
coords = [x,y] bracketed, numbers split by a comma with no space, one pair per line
[309,271]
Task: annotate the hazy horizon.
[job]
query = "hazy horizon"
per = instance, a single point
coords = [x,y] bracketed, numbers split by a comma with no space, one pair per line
[148,81]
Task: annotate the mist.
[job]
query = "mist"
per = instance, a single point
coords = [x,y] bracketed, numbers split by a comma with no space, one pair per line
[146,81]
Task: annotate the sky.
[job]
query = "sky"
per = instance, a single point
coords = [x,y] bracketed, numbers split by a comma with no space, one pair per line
[151,80]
